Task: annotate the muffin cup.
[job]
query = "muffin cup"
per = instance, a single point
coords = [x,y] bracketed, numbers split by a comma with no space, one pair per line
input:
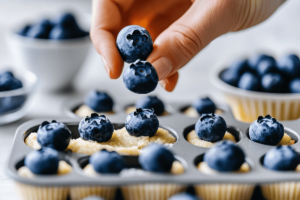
[32,192]
[225,191]
[279,191]
[246,105]
[80,192]
[155,191]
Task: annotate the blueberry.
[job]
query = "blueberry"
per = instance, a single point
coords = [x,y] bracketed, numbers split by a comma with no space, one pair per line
[134,42]
[151,102]
[204,106]
[44,161]
[272,82]
[140,77]
[96,128]
[183,196]
[23,31]
[9,82]
[281,158]
[289,66]
[93,198]
[12,103]
[106,162]
[249,81]
[99,101]
[240,66]
[66,21]
[156,158]
[142,122]
[294,85]
[266,66]
[211,127]
[40,30]
[55,135]
[230,77]
[256,59]
[266,130]
[58,33]
[225,156]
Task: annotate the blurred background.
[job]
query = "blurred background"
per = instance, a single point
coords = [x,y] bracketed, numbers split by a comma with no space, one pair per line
[278,35]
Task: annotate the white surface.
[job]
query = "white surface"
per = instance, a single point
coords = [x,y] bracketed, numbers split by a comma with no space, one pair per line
[279,34]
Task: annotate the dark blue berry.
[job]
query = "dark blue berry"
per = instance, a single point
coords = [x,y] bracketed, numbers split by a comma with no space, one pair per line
[140,77]
[266,66]
[99,101]
[11,104]
[96,128]
[230,77]
[281,158]
[256,59]
[240,66]
[204,106]
[211,127]
[272,82]
[289,66]
[106,162]
[266,130]
[249,81]
[134,42]
[156,158]
[225,156]
[142,122]
[44,161]
[151,102]
[9,82]
[55,135]
[183,196]
[40,30]
[295,85]
[23,31]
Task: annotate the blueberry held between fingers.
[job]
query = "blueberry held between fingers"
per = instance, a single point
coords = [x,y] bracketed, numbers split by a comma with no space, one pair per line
[44,161]
[225,156]
[204,106]
[106,162]
[140,77]
[266,130]
[289,66]
[183,196]
[249,81]
[134,42]
[272,82]
[96,128]
[281,158]
[54,134]
[151,102]
[295,85]
[99,101]
[156,158]
[142,122]
[211,127]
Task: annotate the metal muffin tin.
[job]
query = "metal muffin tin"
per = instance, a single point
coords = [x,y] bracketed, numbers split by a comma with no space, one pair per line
[189,155]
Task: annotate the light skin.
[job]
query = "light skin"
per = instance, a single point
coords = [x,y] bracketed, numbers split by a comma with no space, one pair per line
[179,28]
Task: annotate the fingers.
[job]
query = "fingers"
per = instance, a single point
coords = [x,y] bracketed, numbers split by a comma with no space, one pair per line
[169,83]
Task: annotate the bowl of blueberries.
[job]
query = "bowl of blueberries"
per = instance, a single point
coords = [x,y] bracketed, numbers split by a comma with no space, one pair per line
[261,85]
[54,49]
[16,94]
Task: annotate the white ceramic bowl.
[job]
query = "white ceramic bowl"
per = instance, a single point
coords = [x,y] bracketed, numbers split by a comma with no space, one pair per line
[15,104]
[55,62]
[248,105]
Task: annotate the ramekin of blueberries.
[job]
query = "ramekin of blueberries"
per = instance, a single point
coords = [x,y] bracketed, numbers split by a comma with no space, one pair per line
[52,48]
[261,85]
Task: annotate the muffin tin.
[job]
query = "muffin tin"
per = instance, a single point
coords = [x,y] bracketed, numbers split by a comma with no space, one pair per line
[189,155]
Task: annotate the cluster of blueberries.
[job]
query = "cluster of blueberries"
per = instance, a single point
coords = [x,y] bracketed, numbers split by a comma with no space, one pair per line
[9,82]
[62,27]
[263,73]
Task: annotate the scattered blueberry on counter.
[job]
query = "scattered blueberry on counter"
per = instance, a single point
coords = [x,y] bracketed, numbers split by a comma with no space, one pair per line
[211,127]
[44,161]
[134,42]
[96,128]
[142,122]
[263,74]
[106,162]
[156,158]
[281,158]
[63,27]
[151,102]
[183,196]
[204,106]
[266,130]
[225,156]
[140,77]
[99,101]
[55,135]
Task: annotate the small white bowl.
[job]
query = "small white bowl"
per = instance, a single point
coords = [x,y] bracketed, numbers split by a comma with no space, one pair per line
[248,105]
[55,62]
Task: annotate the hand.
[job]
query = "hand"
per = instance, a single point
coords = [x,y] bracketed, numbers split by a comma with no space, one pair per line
[180,28]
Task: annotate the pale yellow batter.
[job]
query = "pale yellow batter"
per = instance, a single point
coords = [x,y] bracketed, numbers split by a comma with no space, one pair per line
[192,112]
[120,142]
[204,168]
[84,111]
[131,109]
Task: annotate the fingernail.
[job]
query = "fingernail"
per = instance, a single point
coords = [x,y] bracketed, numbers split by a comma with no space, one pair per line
[105,66]
[163,67]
